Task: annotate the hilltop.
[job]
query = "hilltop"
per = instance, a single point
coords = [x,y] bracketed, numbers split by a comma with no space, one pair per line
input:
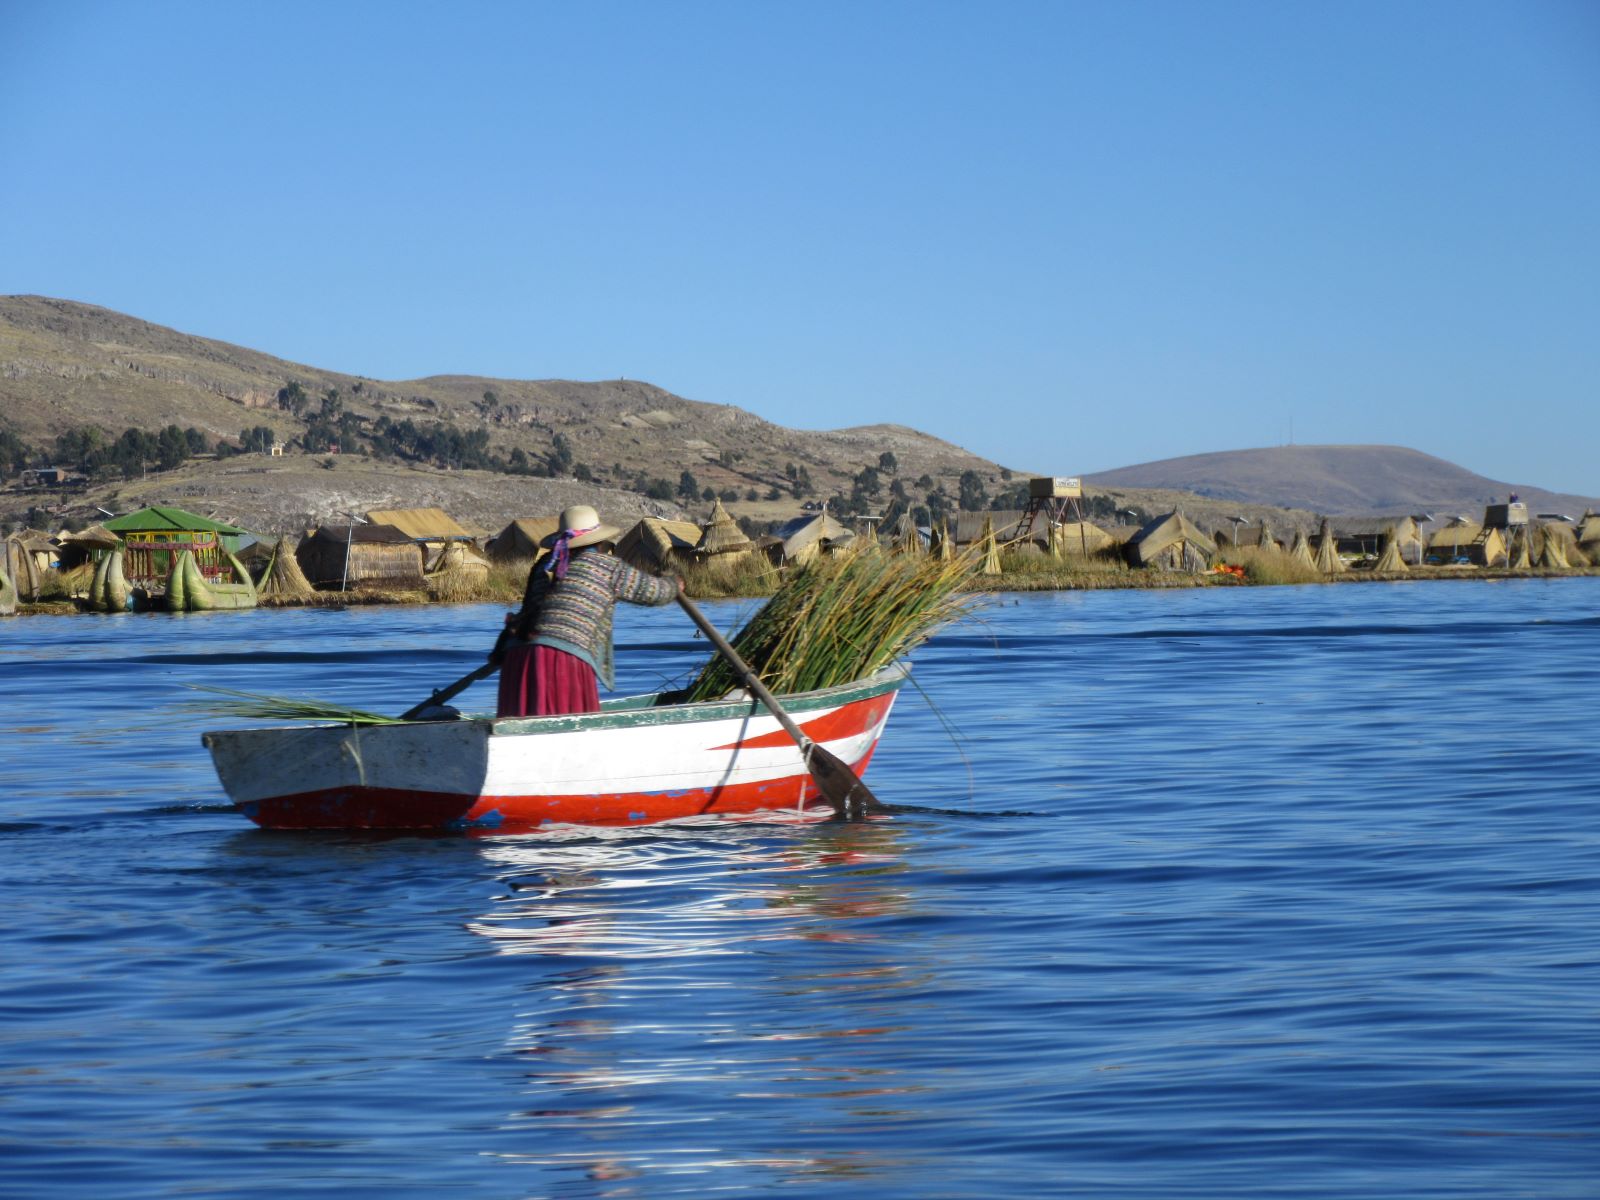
[1344,480]
[65,365]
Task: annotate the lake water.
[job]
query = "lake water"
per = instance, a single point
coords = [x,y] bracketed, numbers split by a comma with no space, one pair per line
[1291,892]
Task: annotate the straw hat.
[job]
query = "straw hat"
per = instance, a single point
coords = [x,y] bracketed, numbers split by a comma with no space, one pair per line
[584,523]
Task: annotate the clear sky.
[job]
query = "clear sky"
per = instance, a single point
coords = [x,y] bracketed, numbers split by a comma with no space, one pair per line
[1069,236]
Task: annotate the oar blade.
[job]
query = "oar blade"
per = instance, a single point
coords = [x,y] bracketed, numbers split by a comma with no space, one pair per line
[839,785]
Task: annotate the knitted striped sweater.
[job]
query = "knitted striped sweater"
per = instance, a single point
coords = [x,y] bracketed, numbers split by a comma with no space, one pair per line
[575,615]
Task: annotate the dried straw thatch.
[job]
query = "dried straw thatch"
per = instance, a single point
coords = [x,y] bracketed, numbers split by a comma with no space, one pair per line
[905,537]
[659,546]
[458,575]
[721,534]
[942,544]
[806,537]
[283,582]
[1300,552]
[1521,554]
[361,556]
[1080,538]
[8,594]
[1391,559]
[1327,557]
[988,550]
[522,540]
[25,559]
[1556,546]
[1170,543]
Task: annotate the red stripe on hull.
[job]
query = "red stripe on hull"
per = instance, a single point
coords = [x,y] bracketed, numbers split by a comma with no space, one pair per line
[844,722]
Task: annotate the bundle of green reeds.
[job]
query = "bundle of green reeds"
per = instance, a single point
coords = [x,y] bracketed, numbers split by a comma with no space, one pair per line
[257,706]
[841,617]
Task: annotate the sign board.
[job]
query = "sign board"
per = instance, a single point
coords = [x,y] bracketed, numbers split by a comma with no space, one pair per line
[1055,488]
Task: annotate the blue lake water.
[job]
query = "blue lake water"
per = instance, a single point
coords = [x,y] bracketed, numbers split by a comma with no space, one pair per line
[1291,892]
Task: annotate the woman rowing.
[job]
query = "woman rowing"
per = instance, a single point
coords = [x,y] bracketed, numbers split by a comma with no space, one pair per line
[556,649]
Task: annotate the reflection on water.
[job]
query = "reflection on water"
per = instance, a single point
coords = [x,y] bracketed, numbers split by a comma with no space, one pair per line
[629,1043]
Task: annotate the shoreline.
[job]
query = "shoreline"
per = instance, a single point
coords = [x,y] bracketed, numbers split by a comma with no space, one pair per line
[1082,581]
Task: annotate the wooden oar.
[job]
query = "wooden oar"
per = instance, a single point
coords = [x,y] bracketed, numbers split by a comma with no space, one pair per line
[841,786]
[450,692]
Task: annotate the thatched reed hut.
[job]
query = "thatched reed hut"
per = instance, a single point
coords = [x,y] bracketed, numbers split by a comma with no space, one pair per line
[26,558]
[459,573]
[1170,543]
[431,528]
[1078,539]
[1006,527]
[86,546]
[659,546]
[806,537]
[351,557]
[721,535]
[522,539]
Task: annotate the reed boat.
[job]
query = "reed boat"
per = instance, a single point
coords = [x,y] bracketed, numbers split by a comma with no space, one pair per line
[639,759]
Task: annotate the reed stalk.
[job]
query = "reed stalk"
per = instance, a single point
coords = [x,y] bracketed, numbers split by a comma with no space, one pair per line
[841,617]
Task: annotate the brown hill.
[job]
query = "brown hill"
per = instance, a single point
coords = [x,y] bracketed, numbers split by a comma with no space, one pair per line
[1337,480]
[64,365]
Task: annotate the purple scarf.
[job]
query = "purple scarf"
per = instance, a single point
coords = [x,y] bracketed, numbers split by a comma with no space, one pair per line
[561,552]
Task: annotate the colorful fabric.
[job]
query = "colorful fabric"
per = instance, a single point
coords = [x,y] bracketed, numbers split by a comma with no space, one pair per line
[540,681]
[561,553]
[575,614]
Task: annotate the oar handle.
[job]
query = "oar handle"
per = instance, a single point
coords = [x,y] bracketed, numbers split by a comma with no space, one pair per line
[450,692]
[749,677]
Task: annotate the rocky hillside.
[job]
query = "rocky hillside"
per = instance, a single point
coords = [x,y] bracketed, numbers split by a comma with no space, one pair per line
[65,365]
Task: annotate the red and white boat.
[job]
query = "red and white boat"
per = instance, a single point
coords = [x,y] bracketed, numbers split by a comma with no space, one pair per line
[637,760]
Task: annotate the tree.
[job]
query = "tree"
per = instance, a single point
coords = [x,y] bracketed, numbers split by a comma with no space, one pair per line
[292,398]
[332,405]
[924,483]
[560,454]
[688,485]
[658,489]
[868,482]
[973,494]
[708,493]
[582,471]
[257,439]
[888,463]
[752,494]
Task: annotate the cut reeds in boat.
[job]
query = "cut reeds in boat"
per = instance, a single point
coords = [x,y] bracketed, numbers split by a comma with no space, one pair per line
[840,618]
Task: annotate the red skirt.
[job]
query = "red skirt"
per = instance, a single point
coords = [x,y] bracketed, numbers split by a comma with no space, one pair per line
[541,681]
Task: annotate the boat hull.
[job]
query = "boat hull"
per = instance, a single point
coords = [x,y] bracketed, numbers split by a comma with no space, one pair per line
[632,763]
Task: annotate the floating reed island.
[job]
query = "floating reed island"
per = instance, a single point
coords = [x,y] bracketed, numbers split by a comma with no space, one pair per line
[420,556]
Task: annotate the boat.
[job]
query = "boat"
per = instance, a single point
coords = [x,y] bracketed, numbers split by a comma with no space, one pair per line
[189,589]
[640,759]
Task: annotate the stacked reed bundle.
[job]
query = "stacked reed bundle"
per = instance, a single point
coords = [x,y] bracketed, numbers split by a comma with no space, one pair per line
[283,582]
[841,617]
[459,576]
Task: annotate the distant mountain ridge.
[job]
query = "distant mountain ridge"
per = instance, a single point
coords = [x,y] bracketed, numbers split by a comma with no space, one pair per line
[1337,480]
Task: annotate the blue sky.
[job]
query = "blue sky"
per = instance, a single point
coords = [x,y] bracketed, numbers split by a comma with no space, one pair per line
[1069,236]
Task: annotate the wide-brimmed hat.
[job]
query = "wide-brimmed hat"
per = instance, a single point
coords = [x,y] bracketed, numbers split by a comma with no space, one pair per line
[585,526]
